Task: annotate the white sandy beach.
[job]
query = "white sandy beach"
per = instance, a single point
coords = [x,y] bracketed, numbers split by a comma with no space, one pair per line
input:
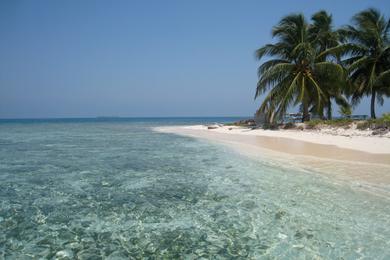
[362,161]
[348,139]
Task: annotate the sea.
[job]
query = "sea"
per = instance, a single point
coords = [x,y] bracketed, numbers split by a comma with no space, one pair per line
[114,188]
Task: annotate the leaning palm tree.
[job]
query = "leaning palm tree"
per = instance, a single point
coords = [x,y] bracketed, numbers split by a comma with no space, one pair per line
[367,46]
[294,74]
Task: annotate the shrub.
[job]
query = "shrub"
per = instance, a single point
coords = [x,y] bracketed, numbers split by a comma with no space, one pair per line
[383,122]
[270,126]
[313,123]
[386,117]
[344,122]
[379,123]
[363,125]
[339,122]
[289,125]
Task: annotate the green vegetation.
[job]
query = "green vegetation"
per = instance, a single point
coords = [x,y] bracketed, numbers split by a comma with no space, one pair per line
[386,117]
[312,64]
[379,123]
[345,111]
[345,122]
[270,126]
[289,125]
[244,123]
[236,124]
[383,122]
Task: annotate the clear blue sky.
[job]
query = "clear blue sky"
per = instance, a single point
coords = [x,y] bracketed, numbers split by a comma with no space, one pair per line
[141,58]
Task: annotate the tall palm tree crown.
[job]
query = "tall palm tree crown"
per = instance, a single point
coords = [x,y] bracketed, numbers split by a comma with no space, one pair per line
[322,31]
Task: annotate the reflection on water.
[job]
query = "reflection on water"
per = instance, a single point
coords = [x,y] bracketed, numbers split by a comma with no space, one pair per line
[118,190]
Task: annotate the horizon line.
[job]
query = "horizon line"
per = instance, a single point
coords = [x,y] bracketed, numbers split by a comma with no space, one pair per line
[115,117]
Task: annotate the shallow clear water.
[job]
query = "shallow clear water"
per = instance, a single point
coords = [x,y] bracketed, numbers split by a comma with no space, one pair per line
[115,189]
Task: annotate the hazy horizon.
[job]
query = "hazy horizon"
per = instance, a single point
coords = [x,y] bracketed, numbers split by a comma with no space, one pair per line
[123,117]
[142,59]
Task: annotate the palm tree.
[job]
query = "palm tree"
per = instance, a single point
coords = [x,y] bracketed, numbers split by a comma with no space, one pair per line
[367,45]
[294,75]
[322,31]
[324,37]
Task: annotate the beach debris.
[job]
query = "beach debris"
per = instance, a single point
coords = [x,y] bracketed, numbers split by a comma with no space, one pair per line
[214,126]
[380,131]
[245,122]
[289,125]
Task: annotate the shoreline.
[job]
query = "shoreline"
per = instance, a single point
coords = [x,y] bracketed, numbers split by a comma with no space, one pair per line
[363,170]
[378,145]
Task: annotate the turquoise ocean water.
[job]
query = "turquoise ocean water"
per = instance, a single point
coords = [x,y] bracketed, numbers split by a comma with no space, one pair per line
[116,189]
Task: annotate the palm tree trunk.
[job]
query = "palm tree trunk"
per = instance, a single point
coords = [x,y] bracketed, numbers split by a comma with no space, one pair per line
[305,115]
[329,112]
[272,117]
[373,104]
